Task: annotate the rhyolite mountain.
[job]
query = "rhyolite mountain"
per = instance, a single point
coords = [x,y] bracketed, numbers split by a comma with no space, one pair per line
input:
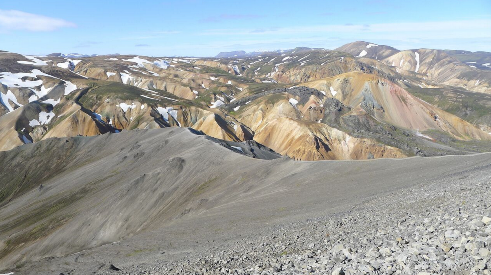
[359,101]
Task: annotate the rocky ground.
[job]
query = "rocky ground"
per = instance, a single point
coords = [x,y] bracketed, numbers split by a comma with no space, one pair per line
[439,228]
[225,213]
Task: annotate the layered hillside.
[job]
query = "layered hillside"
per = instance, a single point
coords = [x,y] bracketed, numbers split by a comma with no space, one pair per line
[439,67]
[383,104]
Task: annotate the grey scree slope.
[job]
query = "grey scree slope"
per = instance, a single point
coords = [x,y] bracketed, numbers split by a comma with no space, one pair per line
[169,201]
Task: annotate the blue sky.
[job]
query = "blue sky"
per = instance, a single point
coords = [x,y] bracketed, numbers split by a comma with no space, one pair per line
[206,27]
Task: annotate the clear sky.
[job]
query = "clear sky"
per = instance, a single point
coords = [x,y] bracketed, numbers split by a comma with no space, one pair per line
[206,27]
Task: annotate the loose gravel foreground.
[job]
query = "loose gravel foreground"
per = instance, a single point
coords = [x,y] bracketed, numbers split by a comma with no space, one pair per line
[440,228]
[208,210]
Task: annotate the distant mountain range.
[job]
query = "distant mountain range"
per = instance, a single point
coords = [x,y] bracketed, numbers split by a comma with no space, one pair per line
[359,101]
[72,55]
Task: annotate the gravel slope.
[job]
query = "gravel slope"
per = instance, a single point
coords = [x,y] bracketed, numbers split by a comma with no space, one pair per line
[353,217]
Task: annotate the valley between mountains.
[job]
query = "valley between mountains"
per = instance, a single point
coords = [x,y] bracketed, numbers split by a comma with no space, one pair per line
[365,159]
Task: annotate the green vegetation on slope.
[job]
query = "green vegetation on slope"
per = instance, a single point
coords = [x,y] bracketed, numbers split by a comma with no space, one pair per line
[469,106]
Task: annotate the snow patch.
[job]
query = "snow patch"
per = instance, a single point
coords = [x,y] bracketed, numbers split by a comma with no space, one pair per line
[236,70]
[417,61]
[216,104]
[166,111]
[293,102]
[69,64]
[111,59]
[52,101]
[323,92]
[161,63]
[237,148]
[418,133]
[154,73]
[33,122]
[4,100]
[125,106]
[333,92]
[303,58]
[109,74]
[98,117]
[45,118]
[236,108]
[148,97]
[40,94]
[371,45]
[15,80]
[363,53]
[80,75]
[125,77]
[32,98]
[138,61]
[400,63]
[69,87]
[34,61]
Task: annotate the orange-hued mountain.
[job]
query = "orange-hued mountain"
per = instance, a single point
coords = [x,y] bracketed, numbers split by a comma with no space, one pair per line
[360,101]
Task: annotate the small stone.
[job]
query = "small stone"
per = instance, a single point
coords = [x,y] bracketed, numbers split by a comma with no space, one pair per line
[337,248]
[338,271]
[481,265]
[446,247]
[375,264]
[449,263]
[452,234]
[486,220]
[483,252]
[413,251]
[470,246]
[385,251]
